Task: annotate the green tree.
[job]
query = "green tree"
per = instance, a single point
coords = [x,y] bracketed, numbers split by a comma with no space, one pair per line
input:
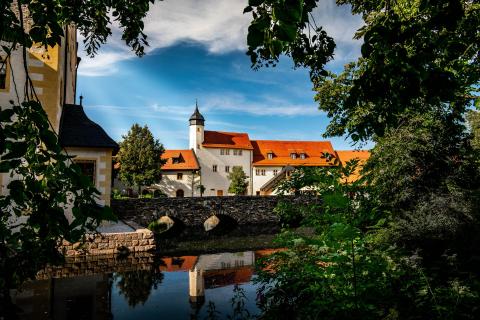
[416,56]
[29,147]
[348,269]
[201,188]
[140,157]
[426,174]
[238,181]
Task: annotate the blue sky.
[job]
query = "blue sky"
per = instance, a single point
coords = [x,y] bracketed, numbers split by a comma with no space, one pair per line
[197,51]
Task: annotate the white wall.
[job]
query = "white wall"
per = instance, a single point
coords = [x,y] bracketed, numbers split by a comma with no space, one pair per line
[196,136]
[102,178]
[170,184]
[16,62]
[225,260]
[214,181]
[259,181]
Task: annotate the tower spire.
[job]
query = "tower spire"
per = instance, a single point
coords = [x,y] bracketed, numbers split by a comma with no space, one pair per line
[197,118]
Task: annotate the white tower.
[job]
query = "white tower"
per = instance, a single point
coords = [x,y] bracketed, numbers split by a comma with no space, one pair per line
[197,127]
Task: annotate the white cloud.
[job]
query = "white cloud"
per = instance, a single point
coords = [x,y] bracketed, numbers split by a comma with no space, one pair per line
[337,21]
[219,25]
[269,106]
[216,103]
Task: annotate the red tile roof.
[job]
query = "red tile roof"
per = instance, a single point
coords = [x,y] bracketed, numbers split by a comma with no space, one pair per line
[188,160]
[183,263]
[226,277]
[346,155]
[231,140]
[282,150]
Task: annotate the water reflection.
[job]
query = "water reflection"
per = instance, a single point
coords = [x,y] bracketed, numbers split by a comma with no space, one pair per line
[137,285]
[143,286]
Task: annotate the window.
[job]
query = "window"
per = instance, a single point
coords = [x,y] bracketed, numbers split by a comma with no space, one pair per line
[214,168]
[222,152]
[237,152]
[257,172]
[270,155]
[88,169]
[227,152]
[303,156]
[179,176]
[3,73]
[198,129]
[262,172]
[293,155]
[275,172]
[227,169]
[177,160]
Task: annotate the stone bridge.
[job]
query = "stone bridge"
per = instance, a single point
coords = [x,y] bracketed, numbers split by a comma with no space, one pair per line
[245,210]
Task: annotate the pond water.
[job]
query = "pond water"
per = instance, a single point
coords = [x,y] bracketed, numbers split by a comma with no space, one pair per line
[145,286]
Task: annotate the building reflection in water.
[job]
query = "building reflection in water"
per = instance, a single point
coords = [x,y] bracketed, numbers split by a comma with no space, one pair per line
[82,288]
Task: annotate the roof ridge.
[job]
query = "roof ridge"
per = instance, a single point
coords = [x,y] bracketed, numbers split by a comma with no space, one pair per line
[227,132]
[303,141]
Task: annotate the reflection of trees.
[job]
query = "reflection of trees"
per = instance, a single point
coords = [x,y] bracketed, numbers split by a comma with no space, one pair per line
[239,308]
[137,285]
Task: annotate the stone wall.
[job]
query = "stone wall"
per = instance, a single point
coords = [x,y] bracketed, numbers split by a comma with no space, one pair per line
[246,210]
[109,243]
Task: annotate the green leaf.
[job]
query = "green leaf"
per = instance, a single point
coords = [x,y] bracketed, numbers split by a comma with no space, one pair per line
[286,32]
[254,37]
[5,166]
[247,9]
[335,200]
[16,188]
[50,139]
[276,48]
[17,150]
[107,214]
[294,9]
[255,3]
[6,115]
[476,103]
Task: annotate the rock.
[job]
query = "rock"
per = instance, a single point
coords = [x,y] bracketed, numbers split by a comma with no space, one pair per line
[161,225]
[167,221]
[211,223]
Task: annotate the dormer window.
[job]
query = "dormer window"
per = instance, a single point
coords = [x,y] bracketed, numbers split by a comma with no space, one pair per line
[270,155]
[178,159]
[303,156]
[293,155]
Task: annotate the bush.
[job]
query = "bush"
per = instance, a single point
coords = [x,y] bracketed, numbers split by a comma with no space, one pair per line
[157,227]
[159,194]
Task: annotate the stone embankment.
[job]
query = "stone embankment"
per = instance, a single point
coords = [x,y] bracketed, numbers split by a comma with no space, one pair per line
[86,265]
[245,210]
[133,238]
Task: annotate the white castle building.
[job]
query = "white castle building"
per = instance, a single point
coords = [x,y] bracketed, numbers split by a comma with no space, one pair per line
[213,154]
